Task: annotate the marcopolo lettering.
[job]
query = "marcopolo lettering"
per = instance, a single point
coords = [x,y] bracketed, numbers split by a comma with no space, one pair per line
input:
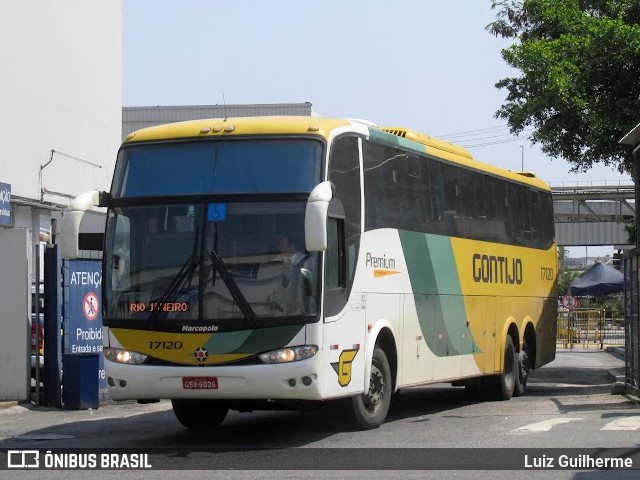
[200,328]
[493,269]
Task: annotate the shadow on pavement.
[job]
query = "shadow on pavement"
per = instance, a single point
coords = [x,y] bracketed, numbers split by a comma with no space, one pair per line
[158,427]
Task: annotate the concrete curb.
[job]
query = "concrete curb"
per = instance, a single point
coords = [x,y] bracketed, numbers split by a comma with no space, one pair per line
[617,375]
[617,352]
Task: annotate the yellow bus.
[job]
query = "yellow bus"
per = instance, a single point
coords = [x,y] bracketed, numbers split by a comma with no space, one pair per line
[253,263]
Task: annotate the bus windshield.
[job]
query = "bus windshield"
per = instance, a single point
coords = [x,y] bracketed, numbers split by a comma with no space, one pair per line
[175,251]
[218,167]
[209,262]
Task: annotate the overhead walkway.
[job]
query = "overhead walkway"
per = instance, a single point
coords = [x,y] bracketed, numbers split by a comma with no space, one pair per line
[592,214]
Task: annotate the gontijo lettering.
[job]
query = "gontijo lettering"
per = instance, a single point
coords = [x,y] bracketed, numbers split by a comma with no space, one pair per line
[492,269]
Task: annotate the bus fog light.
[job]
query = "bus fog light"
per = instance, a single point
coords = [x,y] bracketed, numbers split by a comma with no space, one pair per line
[307,381]
[292,382]
[290,354]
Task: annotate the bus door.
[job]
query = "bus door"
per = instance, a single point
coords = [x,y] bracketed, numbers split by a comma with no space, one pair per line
[343,342]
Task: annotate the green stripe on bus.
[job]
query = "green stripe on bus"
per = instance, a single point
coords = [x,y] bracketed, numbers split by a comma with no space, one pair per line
[437,294]
[252,341]
[392,140]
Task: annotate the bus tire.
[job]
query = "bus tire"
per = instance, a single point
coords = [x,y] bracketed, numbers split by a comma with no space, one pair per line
[369,410]
[502,386]
[199,414]
[524,366]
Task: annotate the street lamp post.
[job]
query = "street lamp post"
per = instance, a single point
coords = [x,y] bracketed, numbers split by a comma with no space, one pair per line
[522,158]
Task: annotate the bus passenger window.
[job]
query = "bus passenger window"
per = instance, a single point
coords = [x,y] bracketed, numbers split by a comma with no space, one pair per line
[437,190]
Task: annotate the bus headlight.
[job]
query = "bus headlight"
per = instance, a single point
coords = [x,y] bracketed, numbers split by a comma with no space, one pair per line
[124,356]
[290,354]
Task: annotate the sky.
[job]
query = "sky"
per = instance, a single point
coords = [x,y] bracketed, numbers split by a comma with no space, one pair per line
[427,65]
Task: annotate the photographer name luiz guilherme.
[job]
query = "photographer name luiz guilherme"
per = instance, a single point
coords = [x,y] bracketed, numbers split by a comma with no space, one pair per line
[576,462]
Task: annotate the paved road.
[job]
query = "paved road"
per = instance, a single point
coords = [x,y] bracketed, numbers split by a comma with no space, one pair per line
[568,404]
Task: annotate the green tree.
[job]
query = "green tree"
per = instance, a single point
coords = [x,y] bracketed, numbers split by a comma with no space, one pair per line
[579,88]
[630,228]
[565,280]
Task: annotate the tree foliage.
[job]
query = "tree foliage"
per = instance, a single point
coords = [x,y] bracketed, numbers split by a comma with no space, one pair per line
[565,279]
[630,228]
[579,83]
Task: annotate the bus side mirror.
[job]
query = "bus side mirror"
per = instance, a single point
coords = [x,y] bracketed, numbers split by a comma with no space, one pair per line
[70,230]
[315,218]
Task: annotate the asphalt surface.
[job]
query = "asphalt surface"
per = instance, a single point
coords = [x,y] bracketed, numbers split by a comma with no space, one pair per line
[19,421]
[434,424]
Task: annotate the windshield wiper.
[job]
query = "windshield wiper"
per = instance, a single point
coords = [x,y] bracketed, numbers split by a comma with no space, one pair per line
[186,273]
[233,288]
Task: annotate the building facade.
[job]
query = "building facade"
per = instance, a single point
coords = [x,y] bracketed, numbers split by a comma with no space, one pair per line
[61,100]
[61,121]
[631,270]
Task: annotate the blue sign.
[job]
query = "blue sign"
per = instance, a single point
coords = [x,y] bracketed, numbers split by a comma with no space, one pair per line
[83,315]
[5,204]
[217,212]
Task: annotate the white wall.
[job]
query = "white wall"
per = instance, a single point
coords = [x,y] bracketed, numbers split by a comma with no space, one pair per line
[61,89]
[15,317]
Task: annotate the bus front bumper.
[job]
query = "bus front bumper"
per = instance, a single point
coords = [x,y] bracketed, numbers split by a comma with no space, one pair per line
[286,381]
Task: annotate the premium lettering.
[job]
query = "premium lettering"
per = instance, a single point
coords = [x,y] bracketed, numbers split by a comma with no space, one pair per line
[380,262]
[493,269]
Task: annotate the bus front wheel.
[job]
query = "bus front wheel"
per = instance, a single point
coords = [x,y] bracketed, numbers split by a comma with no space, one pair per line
[199,414]
[369,410]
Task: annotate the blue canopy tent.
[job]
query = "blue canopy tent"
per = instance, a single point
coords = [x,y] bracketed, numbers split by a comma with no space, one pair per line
[598,279]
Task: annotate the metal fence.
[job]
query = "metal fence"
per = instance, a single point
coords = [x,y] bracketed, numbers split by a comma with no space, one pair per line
[632,318]
[589,328]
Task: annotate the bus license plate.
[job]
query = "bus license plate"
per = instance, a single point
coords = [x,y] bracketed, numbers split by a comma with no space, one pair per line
[200,383]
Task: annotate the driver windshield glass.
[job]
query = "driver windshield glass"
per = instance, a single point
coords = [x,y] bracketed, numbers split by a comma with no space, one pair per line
[218,167]
[184,261]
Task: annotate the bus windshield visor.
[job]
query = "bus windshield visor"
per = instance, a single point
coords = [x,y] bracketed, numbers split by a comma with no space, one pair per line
[218,167]
[209,261]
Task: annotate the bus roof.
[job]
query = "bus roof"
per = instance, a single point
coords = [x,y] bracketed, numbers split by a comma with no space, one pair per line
[456,154]
[224,127]
[322,127]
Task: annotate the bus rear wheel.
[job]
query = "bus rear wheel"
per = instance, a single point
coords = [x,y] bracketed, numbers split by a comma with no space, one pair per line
[369,410]
[199,414]
[502,386]
[524,366]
